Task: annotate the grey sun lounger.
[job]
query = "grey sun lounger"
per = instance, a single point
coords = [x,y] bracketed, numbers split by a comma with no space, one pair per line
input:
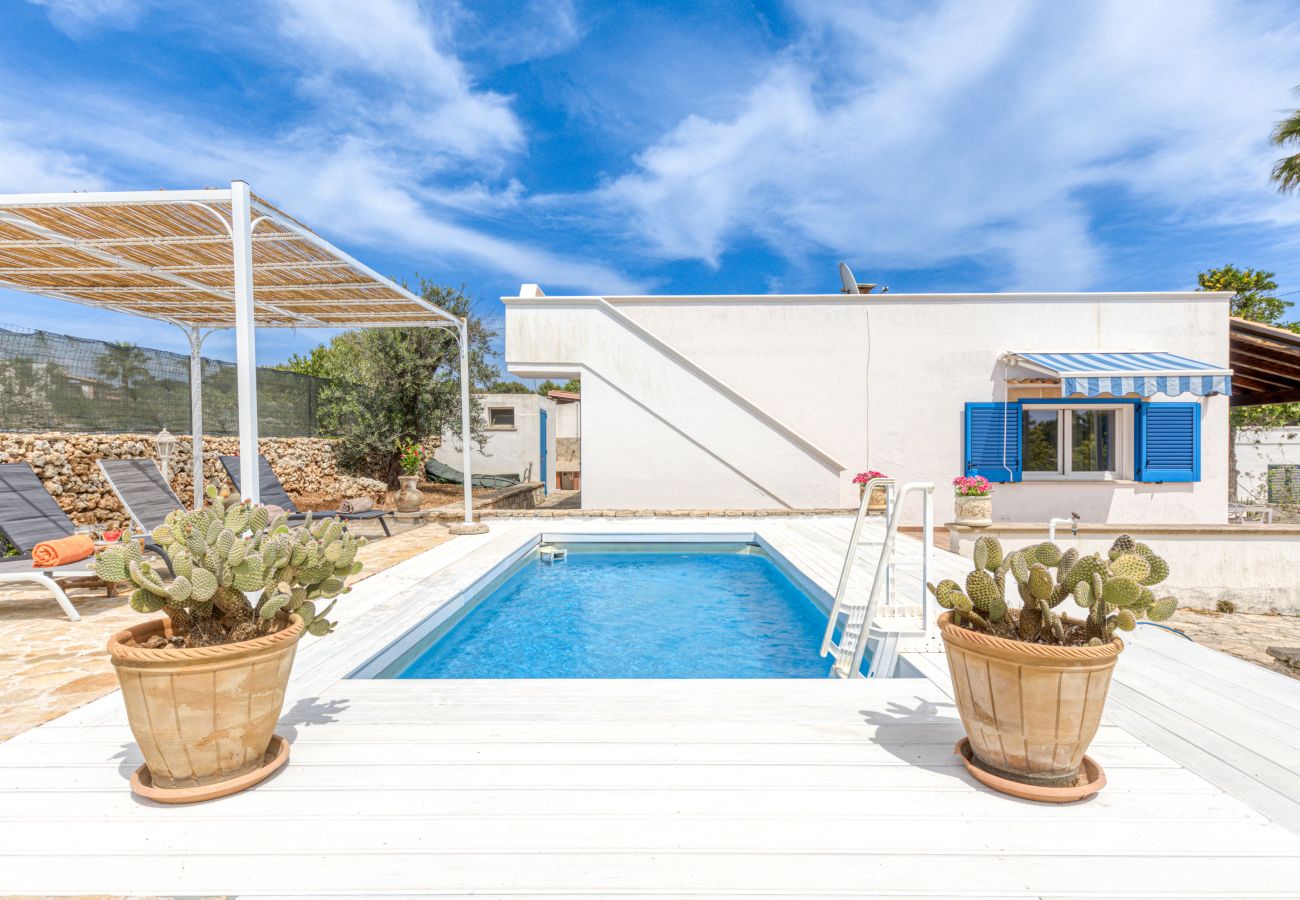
[28,516]
[141,488]
[445,474]
[273,492]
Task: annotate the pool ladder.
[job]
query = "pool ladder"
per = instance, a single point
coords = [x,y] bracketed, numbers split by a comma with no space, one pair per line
[855,633]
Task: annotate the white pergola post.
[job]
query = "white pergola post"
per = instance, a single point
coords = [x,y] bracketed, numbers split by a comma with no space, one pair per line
[196,413]
[469,526]
[241,233]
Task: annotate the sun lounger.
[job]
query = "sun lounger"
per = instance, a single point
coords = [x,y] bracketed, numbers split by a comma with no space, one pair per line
[29,516]
[141,488]
[273,492]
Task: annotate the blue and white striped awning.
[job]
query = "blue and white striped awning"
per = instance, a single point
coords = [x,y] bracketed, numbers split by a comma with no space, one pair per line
[1118,374]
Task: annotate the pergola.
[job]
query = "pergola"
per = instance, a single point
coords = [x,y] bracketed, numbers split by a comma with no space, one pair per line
[1265,363]
[206,260]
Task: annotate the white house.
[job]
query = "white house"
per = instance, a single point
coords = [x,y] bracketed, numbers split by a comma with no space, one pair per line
[1109,405]
[521,438]
[1268,465]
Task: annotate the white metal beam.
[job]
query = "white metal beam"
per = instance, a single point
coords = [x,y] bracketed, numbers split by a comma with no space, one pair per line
[462,333]
[196,412]
[245,339]
[225,289]
[113,198]
[161,241]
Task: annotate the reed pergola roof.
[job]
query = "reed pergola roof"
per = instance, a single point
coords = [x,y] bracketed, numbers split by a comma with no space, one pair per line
[167,255]
[205,260]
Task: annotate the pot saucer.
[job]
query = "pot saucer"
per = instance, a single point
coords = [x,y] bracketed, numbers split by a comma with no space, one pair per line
[277,754]
[1094,775]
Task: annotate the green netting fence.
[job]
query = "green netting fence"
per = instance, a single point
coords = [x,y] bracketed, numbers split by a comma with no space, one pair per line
[54,382]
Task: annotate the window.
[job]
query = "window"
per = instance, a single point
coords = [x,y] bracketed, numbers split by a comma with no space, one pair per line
[1070,441]
[1283,483]
[501,417]
[1086,441]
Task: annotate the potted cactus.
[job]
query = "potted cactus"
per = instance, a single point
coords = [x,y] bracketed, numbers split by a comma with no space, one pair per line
[204,685]
[1030,683]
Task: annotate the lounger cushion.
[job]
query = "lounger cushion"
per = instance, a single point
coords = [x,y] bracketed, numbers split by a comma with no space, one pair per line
[142,489]
[23,565]
[28,514]
[270,489]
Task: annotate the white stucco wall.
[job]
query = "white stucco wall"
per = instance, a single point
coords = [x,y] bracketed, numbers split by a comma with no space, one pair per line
[568,420]
[1257,449]
[515,451]
[766,401]
[1257,567]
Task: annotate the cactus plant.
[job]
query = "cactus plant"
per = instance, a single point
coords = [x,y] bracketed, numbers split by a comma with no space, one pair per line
[236,570]
[1115,589]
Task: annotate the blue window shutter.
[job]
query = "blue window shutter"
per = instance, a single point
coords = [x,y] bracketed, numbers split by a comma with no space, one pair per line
[1168,442]
[993,440]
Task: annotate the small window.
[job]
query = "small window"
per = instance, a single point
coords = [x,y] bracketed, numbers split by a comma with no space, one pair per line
[1283,484]
[1070,441]
[501,417]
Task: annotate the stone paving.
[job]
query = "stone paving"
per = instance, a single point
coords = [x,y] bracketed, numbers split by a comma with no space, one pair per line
[1244,635]
[50,665]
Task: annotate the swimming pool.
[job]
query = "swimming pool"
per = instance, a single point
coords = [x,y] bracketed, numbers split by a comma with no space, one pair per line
[666,610]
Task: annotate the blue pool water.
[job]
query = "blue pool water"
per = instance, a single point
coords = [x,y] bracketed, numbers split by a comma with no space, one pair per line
[653,611]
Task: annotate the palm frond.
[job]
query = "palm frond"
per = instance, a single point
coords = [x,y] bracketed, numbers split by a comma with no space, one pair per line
[1286,172]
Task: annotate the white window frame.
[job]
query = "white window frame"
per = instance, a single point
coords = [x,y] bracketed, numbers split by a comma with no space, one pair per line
[514,418]
[1123,439]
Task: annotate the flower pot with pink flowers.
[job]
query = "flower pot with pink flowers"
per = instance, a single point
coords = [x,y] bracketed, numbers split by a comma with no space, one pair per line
[876,503]
[973,501]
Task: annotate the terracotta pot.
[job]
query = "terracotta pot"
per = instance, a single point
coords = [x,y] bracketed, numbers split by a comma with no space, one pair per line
[1030,710]
[973,512]
[203,715]
[877,501]
[408,494]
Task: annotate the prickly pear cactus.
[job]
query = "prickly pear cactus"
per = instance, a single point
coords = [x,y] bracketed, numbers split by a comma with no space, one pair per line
[236,570]
[1116,591]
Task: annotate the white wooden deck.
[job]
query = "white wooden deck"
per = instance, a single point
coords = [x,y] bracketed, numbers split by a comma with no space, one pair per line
[670,788]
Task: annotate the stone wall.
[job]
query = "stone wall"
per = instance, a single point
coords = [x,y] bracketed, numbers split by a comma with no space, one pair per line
[66,463]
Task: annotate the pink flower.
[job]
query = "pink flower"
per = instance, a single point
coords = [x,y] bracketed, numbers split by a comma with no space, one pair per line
[971,486]
[864,477]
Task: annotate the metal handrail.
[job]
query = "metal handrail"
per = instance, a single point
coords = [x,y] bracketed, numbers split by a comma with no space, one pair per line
[879,577]
[842,588]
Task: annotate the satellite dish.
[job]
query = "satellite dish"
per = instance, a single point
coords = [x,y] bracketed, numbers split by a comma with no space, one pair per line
[850,284]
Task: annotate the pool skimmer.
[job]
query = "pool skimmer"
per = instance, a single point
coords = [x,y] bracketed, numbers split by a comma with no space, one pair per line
[552,554]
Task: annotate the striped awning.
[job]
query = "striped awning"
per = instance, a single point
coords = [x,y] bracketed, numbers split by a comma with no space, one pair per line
[1118,374]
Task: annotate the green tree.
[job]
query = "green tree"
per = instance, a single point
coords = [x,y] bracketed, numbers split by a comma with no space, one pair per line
[1286,134]
[573,386]
[393,386]
[503,386]
[1252,299]
[1252,290]
[124,364]
[316,362]
[547,386]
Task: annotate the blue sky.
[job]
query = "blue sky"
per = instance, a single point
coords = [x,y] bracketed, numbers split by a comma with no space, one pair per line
[678,147]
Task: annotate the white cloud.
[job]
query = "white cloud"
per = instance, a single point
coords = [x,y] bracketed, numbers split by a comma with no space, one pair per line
[79,18]
[381,67]
[396,145]
[974,131]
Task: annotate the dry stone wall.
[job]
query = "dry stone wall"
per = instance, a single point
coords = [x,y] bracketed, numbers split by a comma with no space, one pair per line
[66,464]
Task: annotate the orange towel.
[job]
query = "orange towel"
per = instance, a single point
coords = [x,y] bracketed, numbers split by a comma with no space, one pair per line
[74,547]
